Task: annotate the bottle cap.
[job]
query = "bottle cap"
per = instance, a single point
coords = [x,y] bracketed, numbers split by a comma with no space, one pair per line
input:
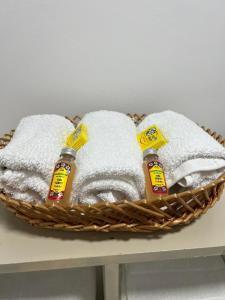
[69,151]
[149,151]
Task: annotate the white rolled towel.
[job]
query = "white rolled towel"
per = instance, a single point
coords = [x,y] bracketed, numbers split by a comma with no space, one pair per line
[27,162]
[109,166]
[191,158]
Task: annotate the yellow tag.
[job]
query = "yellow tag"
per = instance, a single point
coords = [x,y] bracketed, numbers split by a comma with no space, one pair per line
[77,138]
[151,137]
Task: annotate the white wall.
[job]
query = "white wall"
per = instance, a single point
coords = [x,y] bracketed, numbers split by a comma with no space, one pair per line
[71,56]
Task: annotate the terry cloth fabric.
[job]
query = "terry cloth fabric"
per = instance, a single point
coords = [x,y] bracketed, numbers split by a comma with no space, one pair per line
[109,166]
[191,158]
[27,162]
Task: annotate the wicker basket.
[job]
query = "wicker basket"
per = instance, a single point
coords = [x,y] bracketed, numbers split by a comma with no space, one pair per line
[135,216]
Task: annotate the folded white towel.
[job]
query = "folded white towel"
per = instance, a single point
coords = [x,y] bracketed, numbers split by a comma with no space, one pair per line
[192,157]
[109,166]
[27,162]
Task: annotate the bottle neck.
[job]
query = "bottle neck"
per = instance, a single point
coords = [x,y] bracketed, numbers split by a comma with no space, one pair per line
[67,157]
[149,157]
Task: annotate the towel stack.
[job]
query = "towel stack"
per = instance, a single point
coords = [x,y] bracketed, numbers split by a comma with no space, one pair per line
[191,158]
[109,166]
[27,162]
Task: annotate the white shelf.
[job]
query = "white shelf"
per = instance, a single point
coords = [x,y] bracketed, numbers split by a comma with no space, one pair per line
[24,248]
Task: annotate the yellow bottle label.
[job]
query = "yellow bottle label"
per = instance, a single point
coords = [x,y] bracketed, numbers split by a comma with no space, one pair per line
[157,177]
[59,181]
[77,138]
[151,137]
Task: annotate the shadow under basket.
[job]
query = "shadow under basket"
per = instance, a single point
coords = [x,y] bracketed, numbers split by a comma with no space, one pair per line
[132,216]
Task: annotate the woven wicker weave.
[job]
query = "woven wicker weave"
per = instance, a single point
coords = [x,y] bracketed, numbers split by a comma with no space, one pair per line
[135,216]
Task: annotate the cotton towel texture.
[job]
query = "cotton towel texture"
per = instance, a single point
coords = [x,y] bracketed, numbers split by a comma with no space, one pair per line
[191,158]
[27,162]
[109,166]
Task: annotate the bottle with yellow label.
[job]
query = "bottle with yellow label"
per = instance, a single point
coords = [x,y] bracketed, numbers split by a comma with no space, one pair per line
[63,175]
[62,179]
[155,182]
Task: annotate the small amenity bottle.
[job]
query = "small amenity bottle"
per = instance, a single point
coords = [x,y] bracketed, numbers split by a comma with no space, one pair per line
[62,179]
[155,182]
